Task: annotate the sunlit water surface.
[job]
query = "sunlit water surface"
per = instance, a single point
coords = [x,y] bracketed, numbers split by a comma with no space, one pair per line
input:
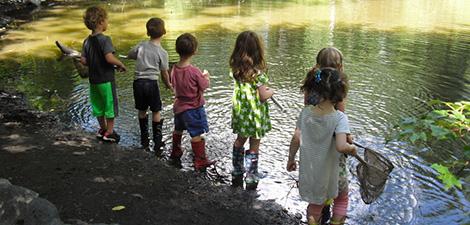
[398,54]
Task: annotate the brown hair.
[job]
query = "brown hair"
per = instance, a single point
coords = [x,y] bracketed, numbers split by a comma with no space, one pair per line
[155,27]
[186,45]
[247,58]
[329,83]
[330,57]
[93,16]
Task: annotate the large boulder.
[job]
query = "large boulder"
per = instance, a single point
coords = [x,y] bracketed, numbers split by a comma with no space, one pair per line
[19,205]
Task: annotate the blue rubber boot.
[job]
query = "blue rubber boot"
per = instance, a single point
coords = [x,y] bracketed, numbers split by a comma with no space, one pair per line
[238,157]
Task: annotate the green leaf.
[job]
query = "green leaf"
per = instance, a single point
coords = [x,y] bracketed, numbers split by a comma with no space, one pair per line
[446,176]
[407,131]
[414,138]
[428,122]
[436,115]
[459,116]
[423,136]
[408,120]
[434,102]
[466,151]
[441,112]
[439,132]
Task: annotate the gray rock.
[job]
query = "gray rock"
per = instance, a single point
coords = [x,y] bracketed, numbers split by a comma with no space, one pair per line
[41,211]
[13,202]
[19,205]
[4,182]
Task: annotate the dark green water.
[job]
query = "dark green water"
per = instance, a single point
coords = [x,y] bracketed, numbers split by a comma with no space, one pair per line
[398,54]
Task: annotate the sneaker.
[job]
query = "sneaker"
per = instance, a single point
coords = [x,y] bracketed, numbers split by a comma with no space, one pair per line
[113,137]
[100,133]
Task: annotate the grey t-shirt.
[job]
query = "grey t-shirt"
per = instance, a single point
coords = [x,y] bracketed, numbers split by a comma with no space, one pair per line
[319,159]
[151,60]
[94,50]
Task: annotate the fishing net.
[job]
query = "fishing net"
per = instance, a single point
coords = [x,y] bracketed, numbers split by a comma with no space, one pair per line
[372,175]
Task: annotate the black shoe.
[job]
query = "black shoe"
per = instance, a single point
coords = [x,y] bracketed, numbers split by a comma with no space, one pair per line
[158,152]
[176,163]
[251,186]
[113,137]
[237,181]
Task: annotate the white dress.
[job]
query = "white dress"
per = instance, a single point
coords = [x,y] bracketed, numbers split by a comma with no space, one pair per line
[319,159]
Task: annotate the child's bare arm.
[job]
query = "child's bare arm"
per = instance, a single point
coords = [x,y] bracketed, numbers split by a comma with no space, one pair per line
[343,146]
[265,93]
[83,60]
[111,59]
[293,148]
[166,79]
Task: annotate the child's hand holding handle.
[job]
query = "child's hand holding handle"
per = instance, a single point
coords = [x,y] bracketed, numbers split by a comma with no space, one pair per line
[291,165]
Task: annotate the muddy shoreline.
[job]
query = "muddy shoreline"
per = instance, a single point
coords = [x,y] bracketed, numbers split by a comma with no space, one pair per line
[85,178]
[16,12]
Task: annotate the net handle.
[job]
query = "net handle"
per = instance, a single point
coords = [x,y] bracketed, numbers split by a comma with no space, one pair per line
[362,160]
[357,156]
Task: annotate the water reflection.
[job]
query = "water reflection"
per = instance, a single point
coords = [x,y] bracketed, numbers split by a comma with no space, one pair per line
[397,55]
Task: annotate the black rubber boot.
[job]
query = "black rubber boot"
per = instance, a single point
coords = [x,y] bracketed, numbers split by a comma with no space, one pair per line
[157,137]
[238,157]
[144,132]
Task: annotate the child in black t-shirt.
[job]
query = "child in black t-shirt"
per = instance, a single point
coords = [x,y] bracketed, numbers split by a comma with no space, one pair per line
[97,54]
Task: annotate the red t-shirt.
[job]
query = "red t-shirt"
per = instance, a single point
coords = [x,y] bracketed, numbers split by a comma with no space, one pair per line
[188,85]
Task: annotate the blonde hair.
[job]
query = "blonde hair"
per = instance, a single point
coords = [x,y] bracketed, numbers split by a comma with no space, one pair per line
[330,57]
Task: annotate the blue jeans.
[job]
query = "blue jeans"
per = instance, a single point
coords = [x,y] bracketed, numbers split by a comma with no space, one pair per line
[192,120]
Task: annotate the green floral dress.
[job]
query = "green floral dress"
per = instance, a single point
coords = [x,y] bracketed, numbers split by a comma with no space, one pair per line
[250,117]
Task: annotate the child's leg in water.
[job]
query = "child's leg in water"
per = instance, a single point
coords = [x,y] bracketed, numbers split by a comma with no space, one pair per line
[102,122]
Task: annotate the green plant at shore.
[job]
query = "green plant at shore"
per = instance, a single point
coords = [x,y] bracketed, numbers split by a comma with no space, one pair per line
[444,122]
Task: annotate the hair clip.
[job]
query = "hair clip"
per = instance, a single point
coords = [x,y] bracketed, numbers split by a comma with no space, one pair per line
[318,76]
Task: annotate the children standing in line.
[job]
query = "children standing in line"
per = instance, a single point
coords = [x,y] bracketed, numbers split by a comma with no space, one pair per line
[152,60]
[98,55]
[250,112]
[189,84]
[321,135]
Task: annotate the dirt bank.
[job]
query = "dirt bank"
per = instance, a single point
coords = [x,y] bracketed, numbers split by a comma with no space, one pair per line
[85,179]
[16,12]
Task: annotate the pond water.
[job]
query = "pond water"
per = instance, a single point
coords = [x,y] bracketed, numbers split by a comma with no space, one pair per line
[398,55]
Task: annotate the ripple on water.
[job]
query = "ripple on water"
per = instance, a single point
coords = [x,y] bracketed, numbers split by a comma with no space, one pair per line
[392,73]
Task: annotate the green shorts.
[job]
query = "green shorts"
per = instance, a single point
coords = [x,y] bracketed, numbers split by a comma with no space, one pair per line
[103,100]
